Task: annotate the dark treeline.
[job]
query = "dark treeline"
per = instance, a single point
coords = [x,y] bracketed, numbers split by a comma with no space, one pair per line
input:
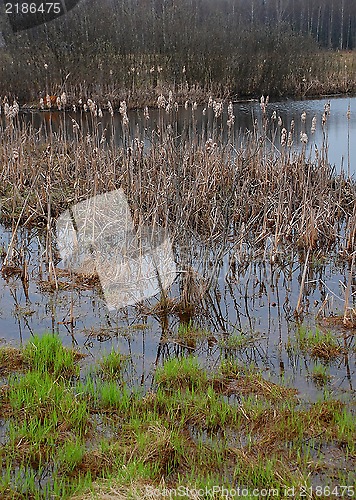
[240,47]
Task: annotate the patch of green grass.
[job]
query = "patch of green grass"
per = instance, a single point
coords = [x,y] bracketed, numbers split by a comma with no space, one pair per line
[37,394]
[181,372]
[67,437]
[70,455]
[318,343]
[112,365]
[47,354]
[237,341]
[320,374]
[189,334]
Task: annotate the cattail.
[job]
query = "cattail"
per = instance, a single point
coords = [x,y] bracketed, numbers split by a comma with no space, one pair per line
[75,125]
[85,107]
[303,138]
[217,108]
[176,107]
[12,111]
[303,117]
[123,108]
[93,108]
[283,137]
[146,113]
[59,103]
[316,153]
[194,106]
[64,99]
[274,116]
[313,127]
[292,124]
[125,120]
[263,104]
[204,111]
[161,101]
[348,114]
[111,109]
[280,123]
[100,113]
[210,145]
[324,118]
[48,101]
[41,103]
[186,104]
[290,140]
[230,114]
[327,108]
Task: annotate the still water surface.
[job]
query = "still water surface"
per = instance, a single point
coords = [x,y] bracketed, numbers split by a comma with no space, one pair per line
[339,133]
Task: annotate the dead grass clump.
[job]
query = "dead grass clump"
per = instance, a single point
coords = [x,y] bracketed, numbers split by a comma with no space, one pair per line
[113,490]
[74,282]
[339,323]
[158,449]
[325,351]
[11,359]
[255,384]
[95,462]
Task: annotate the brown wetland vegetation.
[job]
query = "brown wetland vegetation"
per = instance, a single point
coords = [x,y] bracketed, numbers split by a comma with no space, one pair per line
[260,209]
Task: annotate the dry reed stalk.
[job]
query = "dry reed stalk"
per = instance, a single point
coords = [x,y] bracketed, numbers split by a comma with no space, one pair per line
[298,308]
[347,311]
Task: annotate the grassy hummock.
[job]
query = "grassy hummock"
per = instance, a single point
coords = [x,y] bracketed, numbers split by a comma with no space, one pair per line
[70,432]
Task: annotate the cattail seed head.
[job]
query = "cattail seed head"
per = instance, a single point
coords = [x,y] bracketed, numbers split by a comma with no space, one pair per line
[303,138]
[283,137]
[313,127]
[110,108]
[161,101]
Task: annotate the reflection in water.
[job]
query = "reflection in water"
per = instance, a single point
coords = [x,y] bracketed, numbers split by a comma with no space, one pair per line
[200,123]
[252,298]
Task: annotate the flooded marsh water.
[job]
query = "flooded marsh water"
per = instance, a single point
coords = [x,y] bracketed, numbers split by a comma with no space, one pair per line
[250,293]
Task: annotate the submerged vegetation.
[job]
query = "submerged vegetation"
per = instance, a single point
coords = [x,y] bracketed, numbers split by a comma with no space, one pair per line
[68,433]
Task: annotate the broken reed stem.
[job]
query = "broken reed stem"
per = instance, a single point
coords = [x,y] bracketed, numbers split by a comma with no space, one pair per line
[298,308]
[348,290]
